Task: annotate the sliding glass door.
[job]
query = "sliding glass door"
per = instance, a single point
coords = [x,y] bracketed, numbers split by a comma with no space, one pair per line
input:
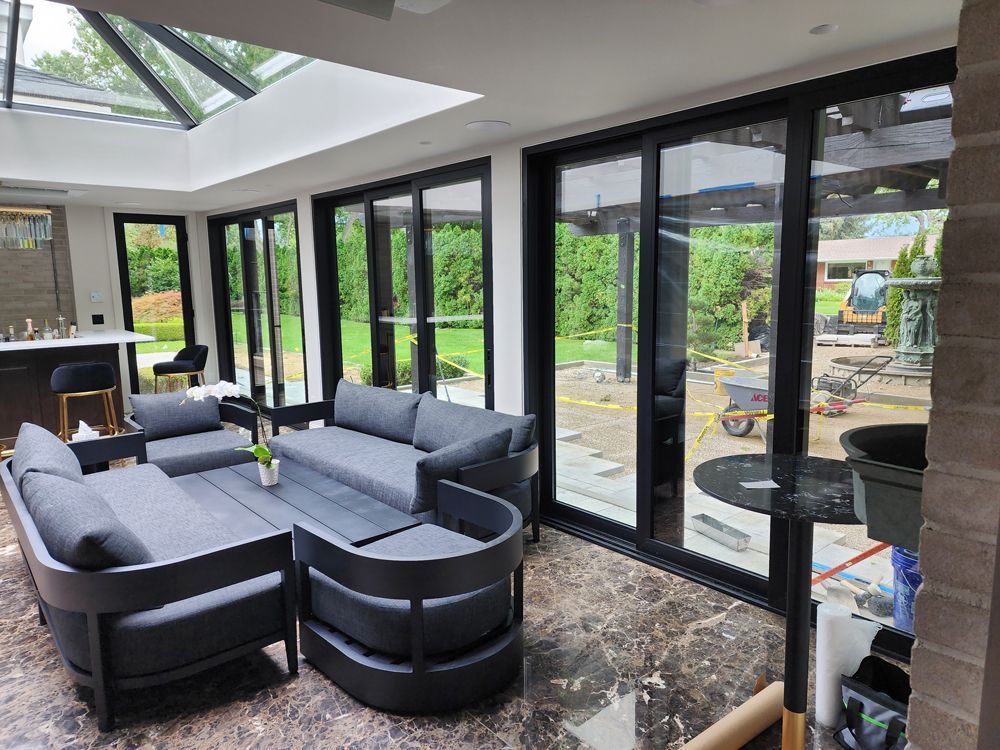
[156,291]
[258,304]
[410,265]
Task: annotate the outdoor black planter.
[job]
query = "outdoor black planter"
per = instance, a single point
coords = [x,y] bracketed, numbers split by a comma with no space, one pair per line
[888,463]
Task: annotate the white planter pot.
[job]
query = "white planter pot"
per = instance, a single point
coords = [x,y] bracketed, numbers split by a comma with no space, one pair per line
[269,476]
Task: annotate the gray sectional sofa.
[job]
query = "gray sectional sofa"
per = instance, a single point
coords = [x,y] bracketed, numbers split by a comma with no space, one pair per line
[397,446]
[138,584]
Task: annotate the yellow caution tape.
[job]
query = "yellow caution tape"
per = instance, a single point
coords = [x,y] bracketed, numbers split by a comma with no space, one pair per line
[567,400]
[463,369]
[723,361]
[895,406]
[711,420]
[588,333]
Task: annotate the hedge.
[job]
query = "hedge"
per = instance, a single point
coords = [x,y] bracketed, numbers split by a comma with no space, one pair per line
[167,330]
[404,370]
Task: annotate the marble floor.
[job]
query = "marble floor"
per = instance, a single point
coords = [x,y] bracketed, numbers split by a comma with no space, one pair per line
[617,655]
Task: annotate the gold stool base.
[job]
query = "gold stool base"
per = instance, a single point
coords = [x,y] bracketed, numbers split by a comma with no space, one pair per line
[793,730]
[110,416]
[156,378]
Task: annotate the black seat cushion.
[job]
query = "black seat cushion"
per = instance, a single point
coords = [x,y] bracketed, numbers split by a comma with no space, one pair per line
[82,377]
[174,366]
[450,623]
[189,359]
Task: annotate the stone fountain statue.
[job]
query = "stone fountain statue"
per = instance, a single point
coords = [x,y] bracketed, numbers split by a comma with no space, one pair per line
[917,325]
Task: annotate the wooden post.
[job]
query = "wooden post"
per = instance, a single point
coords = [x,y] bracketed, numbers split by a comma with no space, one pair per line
[746,328]
[626,274]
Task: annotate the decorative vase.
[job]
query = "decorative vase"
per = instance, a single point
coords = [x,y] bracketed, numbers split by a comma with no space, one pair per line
[269,473]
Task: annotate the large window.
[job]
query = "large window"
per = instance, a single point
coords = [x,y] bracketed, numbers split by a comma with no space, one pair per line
[408,261]
[259,305]
[779,234]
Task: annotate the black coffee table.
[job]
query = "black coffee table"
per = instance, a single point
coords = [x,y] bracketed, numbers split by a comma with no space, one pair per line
[235,496]
[808,490]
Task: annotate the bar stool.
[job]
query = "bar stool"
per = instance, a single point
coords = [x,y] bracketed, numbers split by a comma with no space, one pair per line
[82,379]
[188,362]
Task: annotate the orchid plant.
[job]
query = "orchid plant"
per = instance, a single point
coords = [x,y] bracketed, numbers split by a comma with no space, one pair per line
[224,389]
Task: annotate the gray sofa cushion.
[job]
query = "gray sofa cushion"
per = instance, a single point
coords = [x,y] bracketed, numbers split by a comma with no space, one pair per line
[162,415]
[188,454]
[444,463]
[40,450]
[376,411]
[167,520]
[450,623]
[440,423]
[379,468]
[78,527]
[518,495]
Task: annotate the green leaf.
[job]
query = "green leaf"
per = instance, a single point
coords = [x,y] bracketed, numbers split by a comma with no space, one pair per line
[261,452]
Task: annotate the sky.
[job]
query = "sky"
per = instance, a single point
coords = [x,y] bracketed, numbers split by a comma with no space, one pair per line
[51,29]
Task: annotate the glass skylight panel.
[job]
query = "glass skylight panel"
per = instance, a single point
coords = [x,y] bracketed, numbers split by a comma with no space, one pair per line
[63,62]
[258,66]
[200,95]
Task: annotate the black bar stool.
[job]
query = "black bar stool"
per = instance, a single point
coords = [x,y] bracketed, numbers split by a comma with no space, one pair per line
[188,362]
[82,379]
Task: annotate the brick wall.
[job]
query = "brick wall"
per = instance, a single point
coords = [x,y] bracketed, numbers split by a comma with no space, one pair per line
[961,499]
[27,288]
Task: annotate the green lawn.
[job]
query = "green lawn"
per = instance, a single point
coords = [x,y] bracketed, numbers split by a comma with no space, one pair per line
[827,306]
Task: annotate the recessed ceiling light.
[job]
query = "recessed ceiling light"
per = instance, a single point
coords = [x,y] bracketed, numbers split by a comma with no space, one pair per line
[824,28]
[488,126]
[127,203]
[425,143]
[245,190]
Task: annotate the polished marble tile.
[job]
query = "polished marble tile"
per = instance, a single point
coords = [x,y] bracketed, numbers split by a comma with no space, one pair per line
[617,654]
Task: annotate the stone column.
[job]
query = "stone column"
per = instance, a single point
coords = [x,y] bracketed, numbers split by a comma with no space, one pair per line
[961,499]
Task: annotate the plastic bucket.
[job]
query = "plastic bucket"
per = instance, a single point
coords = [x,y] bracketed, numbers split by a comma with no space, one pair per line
[906,581]
[720,373]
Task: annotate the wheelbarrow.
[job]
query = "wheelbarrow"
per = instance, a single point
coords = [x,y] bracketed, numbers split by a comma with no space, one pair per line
[749,398]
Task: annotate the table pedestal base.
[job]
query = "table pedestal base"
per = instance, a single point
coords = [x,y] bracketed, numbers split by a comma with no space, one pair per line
[793,729]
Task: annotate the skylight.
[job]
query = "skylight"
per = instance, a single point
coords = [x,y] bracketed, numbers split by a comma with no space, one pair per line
[101,65]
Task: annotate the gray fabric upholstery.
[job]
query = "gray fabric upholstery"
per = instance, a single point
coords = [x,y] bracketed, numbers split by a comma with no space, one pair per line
[202,451]
[450,623]
[444,463]
[440,423]
[376,411]
[518,495]
[382,469]
[78,527]
[40,450]
[168,521]
[162,415]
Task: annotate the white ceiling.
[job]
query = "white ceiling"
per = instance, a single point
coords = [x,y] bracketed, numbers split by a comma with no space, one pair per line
[546,66]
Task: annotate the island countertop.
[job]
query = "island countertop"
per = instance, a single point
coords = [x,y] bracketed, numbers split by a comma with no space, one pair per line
[83,338]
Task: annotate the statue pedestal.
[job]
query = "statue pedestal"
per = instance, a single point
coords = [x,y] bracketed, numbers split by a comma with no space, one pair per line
[918,321]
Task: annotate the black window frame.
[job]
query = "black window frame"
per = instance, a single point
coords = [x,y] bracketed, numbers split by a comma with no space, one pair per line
[327,277]
[794,268]
[219,263]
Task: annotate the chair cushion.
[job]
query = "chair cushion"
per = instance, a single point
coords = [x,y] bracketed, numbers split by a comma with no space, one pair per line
[81,377]
[376,411]
[164,415]
[202,451]
[440,423]
[39,450]
[444,463]
[518,495]
[174,366]
[196,354]
[669,376]
[168,521]
[382,469]
[450,623]
[78,527]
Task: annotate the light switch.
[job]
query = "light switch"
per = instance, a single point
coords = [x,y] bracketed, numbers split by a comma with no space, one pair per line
[97,296]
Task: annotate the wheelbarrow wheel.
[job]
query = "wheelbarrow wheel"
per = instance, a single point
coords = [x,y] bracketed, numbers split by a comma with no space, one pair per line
[737,427]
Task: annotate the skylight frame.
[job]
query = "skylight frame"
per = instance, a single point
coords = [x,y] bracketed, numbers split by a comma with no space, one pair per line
[176,43]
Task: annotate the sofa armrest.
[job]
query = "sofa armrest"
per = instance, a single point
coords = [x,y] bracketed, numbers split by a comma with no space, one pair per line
[241,416]
[299,413]
[102,450]
[500,472]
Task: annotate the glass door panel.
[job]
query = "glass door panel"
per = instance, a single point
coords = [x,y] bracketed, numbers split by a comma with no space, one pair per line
[878,179]
[453,274]
[286,308]
[352,286]
[237,306]
[396,364]
[596,290]
[717,229]
[259,324]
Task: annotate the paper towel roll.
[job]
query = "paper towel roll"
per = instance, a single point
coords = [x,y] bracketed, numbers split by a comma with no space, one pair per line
[842,642]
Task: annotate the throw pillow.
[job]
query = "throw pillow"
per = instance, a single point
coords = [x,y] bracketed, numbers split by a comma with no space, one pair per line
[445,463]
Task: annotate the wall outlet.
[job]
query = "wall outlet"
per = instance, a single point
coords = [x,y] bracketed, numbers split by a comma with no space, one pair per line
[97,297]
[97,320]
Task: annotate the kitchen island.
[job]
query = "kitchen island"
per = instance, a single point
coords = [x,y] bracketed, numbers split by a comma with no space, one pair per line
[26,369]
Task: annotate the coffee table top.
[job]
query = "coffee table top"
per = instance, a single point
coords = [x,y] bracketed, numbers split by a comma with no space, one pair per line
[235,496]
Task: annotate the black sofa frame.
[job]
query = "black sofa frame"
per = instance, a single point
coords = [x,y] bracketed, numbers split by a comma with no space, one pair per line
[421,683]
[486,476]
[100,594]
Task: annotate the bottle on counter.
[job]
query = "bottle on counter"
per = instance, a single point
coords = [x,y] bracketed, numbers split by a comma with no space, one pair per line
[10,333]
[29,331]
[61,330]
[72,329]
[47,331]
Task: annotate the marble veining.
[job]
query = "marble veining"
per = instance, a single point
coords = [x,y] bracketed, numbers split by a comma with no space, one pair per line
[617,654]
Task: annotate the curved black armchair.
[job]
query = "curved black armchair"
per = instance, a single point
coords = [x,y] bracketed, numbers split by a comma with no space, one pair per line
[426,677]
[188,362]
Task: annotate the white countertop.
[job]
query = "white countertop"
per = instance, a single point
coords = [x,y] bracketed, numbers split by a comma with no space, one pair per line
[83,338]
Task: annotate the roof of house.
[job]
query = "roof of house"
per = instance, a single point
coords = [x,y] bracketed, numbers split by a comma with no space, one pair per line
[867,248]
[33,83]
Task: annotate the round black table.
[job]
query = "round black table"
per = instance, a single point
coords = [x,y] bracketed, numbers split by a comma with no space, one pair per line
[809,490]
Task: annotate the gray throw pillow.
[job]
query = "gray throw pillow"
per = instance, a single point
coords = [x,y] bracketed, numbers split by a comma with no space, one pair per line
[163,415]
[380,412]
[444,463]
[77,525]
[39,450]
[440,423]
